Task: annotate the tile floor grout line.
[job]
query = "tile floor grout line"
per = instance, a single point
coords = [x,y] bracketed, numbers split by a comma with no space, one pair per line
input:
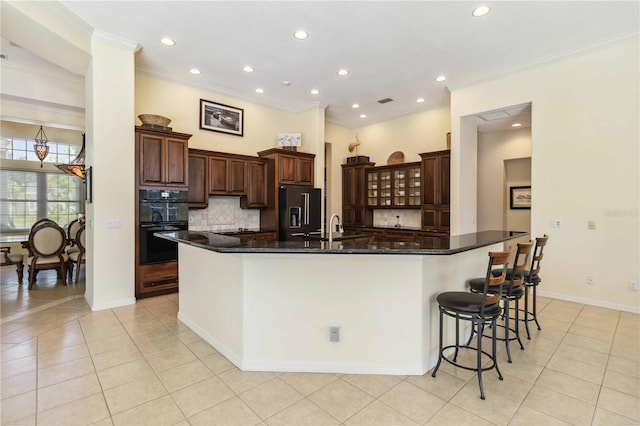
[39,308]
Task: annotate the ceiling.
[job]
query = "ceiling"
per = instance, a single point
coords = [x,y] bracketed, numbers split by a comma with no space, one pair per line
[392,49]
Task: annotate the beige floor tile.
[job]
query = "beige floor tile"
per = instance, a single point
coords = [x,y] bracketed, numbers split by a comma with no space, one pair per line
[184,375]
[93,333]
[67,391]
[27,421]
[526,416]
[270,397]
[443,385]
[16,385]
[105,360]
[202,395]
[627,319]
[452,415]
[623,365]
[627,335]
[218,363]
[603,323]
[17,407]
[161,411]
[597,359]
[577,369]
[551,328]
[558,405]
[130,395]
[185,335]
[341,399]
[558,314]
[58,342]
[607,418]
[23,350]
[240,381]
[622,382]
[201,348]
[71,353]
[413,402]
[373,384]
[308,383]
[80,412]
[493,408]
[303,413]
[378,413]
[620,403]
[581,330]
[125,373]
[117,342]
[624,351]
[65,371]
[569,385]
[19,366]
[170,358]
[106,422]
[521,367]
[587,343]
[230,412]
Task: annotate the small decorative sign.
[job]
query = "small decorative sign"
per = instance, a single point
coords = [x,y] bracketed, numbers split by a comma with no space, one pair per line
[221,118]
[289,139]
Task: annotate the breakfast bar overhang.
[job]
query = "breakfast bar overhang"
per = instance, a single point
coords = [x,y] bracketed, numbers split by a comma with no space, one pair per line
[269,306]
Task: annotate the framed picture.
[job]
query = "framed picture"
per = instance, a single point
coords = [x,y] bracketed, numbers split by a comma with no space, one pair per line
[221,118]
[89,184]
[520,197]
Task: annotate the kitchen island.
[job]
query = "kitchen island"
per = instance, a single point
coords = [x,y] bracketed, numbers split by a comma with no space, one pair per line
[270,305]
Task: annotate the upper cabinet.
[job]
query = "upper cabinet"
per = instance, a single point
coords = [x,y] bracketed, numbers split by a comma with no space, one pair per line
[256,184]
[226,175]
[396,186]
[162,158]
[436,190]
[354,196]
[198,181]
[290,167]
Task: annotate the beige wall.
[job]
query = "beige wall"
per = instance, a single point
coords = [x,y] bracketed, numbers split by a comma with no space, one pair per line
[585,133]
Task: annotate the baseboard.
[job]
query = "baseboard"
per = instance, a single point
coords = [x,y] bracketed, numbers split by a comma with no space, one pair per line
[217,345]
[592,302]
[330,367]
[111,305]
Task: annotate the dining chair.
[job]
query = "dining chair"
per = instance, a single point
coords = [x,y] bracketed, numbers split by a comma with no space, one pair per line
[47,242]
[72,230]
[77,258]
[7,258]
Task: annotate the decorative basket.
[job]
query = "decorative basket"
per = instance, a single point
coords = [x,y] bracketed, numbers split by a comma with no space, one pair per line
[154,120]
[396,158]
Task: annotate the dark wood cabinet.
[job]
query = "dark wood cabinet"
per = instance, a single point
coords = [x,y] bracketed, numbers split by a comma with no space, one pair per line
[436,190]
[256,182]
[354,197]
[198,181]
[258,236]
[226,175]
[162,158]
[396,186]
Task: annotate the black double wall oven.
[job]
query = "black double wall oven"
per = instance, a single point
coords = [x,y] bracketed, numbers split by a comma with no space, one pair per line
[161,210]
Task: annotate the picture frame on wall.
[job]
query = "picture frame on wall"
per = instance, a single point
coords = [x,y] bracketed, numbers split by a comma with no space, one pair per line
[520,197]
[222,118]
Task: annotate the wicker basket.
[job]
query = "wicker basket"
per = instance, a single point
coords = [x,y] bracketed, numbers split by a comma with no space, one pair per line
[154,120]
[396,158]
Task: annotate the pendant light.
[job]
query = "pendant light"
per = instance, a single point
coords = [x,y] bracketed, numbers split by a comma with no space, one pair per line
[76,167]
[41,148]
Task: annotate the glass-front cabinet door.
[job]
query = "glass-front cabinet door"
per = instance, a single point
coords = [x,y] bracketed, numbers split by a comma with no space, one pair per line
[372,189]
[399,188]
[385,188]
[413,186]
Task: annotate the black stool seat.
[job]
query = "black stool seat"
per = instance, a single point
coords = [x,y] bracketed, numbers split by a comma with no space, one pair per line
[469,303]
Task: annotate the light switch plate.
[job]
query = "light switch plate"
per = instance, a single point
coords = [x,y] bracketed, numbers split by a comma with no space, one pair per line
[113,223]
[555,223]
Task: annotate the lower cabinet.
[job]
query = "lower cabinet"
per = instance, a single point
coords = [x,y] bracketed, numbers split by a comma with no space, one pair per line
[156,279]
[400,236]
[258,236]
[426,238]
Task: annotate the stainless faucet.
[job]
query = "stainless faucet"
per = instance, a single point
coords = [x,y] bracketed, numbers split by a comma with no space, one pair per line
[339,228]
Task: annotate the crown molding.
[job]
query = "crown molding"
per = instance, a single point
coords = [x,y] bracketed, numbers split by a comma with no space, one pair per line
[115,40]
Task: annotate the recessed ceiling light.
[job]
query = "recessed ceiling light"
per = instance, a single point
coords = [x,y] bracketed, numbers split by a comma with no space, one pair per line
[301,35]
[259,90]
[195,71]
[516,125]
[420,100]
[286,83]
[363,115]
[248,68]
[168,42]
[314,91]
[480,11]
[441,78]
[343,72]
[355,106]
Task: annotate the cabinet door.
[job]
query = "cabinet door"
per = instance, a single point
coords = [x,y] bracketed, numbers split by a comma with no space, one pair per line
[400,188]
[413,186]
[177,157]
[304,171]
[403,236]
[235,181]
[256,184]
[430,170]
[151,159]
[217,175]
[384,188]
[444,184]
[198,188]
[373,189]
[287,167]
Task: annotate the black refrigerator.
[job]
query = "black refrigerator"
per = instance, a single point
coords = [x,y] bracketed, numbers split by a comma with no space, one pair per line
[300,212]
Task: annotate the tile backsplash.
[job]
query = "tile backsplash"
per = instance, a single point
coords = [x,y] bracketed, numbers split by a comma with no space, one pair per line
[223,213]
[408,217]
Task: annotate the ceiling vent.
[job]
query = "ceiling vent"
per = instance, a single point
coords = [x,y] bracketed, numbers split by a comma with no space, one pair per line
[385,100]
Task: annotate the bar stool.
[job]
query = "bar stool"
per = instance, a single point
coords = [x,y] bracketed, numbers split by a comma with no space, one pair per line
[509,293]
[531,281]
[479,308]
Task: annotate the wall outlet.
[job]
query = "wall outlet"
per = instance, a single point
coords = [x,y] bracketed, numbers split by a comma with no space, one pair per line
[633,286]
[591,224]
[591,280]
[555,223]
[113,223]
[334,333]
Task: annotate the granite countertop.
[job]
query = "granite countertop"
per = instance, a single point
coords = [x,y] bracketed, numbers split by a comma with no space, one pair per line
[448,245]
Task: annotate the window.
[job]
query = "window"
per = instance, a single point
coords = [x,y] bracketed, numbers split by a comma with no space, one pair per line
[22,149]
[27,196]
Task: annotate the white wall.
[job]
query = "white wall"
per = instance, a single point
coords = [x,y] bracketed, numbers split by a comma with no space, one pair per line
[585,134]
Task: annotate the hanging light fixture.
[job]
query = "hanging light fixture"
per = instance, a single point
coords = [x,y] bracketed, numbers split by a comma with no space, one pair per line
[41,148]
[76,167]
